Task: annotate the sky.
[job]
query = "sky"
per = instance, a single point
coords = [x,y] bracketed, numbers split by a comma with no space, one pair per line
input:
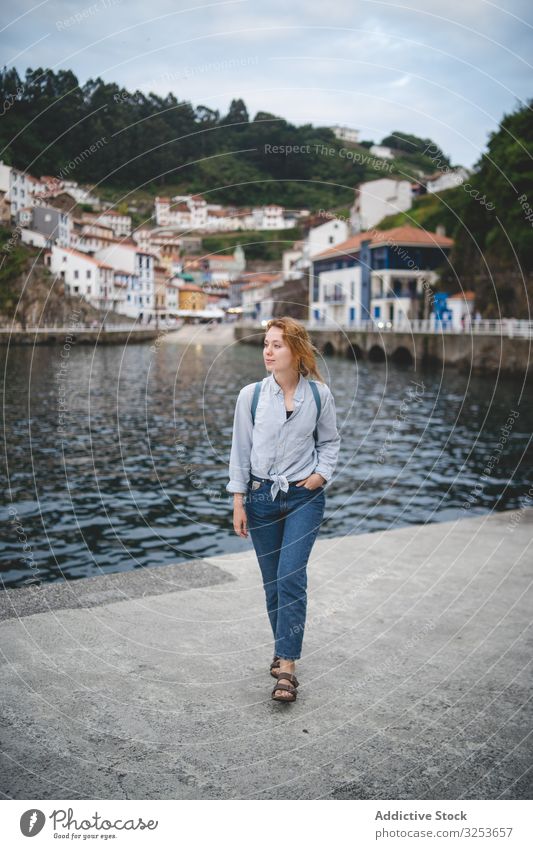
[444,70]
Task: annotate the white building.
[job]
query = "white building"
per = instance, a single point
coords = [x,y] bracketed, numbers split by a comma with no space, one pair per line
[446,180]
[118,223]
[269,217]
[79,193]
[258,296]
[20,188]
[384,275]
[345,133]
[382,151]
[172,296]
[335,290]
[126,289]
[185,211]
[52,223]
[297,260]
[376,199]
[141,266]
[326,235]
[191,212]
[224,220]
[83,275]
[33,238]
[24,190]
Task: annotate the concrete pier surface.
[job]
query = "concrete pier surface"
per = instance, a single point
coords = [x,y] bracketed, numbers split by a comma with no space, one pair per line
[213,333]
[414,679]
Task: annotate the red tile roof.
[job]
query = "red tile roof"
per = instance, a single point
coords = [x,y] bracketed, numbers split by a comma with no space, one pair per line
[404,235]
[407,235]
[86,257]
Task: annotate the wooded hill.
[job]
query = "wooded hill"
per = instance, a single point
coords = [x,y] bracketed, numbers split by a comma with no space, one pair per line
[162,144]
[491,220]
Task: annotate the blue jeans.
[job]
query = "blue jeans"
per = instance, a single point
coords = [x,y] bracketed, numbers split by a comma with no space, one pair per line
[283,532]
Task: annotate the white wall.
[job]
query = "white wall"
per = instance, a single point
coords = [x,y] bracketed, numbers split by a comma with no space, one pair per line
[77,272]
[32,237]
[350,282]
[119,256]
[379,198]
[5,171]
[326,236]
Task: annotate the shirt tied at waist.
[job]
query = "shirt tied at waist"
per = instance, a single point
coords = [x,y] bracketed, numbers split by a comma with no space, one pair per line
[278,482]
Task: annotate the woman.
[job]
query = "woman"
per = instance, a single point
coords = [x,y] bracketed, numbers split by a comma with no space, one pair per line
[284,450]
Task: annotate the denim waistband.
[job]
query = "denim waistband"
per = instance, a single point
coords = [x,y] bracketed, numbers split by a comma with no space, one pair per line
[268,480]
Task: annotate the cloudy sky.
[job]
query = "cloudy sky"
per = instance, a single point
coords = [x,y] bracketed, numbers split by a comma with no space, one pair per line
[447,70]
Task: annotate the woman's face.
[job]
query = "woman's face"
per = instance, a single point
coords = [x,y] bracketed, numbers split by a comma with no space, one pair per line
[276,353]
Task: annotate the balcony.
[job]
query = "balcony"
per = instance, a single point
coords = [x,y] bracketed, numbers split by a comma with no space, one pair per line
[335,298]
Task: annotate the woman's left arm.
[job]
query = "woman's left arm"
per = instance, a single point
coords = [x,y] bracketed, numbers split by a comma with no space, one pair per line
[328,440]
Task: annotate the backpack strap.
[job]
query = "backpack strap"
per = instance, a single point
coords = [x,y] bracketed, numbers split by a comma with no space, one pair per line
[255,399]
[318,402]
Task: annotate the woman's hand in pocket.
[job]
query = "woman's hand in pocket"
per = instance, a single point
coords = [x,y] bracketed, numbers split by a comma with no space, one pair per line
[314,481]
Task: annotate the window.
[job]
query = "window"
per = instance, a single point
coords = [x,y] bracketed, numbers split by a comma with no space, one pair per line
[64,259]
[76,289]
[47,217]
[76,274]
[88,290]
[88,274]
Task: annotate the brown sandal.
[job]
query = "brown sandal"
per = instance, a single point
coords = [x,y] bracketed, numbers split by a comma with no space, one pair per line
[290,689]
[274,665]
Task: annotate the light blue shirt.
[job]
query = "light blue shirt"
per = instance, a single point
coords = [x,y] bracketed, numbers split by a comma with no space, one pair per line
[280,448]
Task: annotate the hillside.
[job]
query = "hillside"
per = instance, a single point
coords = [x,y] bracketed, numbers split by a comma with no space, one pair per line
[146,144]
[491,220]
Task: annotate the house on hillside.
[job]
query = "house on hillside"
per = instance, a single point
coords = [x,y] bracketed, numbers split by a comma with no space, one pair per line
[376,199]
[382,151]
[386,276]
[52,224]
[86,276]
[259,294]
[449,179]
[128,257]
[347,134]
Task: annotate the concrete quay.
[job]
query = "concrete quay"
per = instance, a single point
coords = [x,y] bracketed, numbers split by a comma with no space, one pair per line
[414,680]
[466,352]
[82,336]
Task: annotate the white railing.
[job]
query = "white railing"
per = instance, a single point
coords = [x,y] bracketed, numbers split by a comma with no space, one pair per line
[509,327]
[77,328]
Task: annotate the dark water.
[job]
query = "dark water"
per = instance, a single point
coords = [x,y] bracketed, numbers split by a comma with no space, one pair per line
[138,476]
